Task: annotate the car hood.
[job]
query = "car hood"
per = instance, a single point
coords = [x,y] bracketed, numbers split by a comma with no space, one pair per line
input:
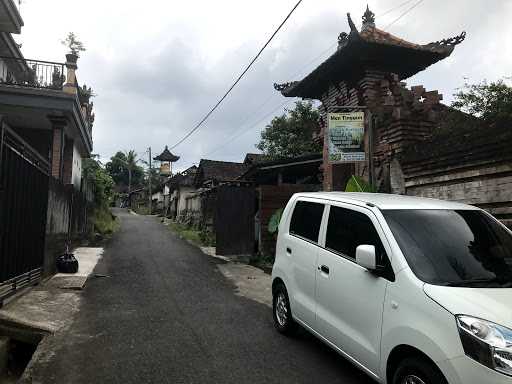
[492,304]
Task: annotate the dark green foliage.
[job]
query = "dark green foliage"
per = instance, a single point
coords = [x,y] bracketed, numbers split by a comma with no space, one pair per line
[291,134]
[490,101]
[120,166]
[102,182]
[97,176]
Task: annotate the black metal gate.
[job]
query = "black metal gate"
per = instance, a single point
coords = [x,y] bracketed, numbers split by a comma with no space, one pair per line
[23,204]
[234,220]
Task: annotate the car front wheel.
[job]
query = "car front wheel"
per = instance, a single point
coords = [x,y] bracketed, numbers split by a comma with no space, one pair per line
[418,371]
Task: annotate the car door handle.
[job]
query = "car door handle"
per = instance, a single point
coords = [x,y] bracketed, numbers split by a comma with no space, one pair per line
[288,250]
[324,269]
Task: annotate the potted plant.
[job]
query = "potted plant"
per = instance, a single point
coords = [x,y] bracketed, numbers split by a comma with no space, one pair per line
[74,45]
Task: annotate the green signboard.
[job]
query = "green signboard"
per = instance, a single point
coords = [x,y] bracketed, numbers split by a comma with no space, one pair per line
[346,137]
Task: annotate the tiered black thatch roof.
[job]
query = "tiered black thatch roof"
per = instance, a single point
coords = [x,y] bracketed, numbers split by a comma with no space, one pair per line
[166,155]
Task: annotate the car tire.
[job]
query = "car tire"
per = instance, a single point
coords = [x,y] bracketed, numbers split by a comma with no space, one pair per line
[418,371]
[281,311]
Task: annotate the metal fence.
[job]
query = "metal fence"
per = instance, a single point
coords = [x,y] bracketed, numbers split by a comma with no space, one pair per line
[31,73]
[24,177]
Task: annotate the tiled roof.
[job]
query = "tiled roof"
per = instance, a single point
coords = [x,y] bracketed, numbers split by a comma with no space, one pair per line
[253,158]
[371,48]
[461,138]
[218,171]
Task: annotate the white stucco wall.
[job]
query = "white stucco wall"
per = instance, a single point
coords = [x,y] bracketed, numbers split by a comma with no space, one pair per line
[76,171]
[184,193]
[3,70]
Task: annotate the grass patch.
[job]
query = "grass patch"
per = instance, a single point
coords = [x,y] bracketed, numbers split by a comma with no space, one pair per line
[264,262]
[143,210]
[196,237]
[105,223]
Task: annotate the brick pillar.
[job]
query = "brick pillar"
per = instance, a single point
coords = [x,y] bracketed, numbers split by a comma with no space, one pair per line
[67,161]
[57,153]
[71,84]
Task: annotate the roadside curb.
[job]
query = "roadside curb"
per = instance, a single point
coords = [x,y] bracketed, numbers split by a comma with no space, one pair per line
[251,282]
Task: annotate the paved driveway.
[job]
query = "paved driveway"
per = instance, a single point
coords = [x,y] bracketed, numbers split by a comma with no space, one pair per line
[166,314]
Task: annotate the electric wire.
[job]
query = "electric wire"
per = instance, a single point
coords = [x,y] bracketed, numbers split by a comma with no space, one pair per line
[198,125]
[316,58]
[404,13]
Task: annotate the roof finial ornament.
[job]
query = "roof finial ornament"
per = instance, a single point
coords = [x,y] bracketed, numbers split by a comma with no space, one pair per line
[353,28]
[368,19]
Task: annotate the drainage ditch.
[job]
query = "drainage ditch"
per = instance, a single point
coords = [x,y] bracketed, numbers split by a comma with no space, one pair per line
[17,346]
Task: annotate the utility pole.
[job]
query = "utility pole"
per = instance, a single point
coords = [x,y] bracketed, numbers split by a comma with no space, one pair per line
[149,181]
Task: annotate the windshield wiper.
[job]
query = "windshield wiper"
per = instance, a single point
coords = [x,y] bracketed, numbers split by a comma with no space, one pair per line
[479,282]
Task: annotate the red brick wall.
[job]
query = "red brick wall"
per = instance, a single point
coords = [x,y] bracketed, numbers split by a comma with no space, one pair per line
[402,120]
[56,159]
[67,162]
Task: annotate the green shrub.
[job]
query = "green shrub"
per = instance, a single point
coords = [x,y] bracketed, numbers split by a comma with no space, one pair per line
[104,222]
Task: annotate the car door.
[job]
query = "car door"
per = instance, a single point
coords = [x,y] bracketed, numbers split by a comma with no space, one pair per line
[349,297]
[301,246]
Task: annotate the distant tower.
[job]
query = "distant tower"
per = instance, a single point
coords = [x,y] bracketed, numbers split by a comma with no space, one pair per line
[166,158]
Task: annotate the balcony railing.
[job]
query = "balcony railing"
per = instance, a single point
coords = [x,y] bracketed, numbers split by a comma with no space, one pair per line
[31,73]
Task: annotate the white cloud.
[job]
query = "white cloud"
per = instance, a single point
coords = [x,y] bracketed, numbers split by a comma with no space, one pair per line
[159,66]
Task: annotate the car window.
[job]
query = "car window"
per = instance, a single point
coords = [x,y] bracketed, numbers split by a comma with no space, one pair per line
[347,229]
[453,247]
[306,220]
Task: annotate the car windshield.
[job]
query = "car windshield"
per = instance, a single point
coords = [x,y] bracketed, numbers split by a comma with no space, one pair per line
[454,247]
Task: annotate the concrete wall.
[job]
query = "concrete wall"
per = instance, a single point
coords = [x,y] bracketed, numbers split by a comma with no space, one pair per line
[67,208]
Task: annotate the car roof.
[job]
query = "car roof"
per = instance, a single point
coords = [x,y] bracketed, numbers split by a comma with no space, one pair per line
[387,201]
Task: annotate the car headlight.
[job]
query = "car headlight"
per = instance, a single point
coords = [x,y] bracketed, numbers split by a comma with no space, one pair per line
[488,343]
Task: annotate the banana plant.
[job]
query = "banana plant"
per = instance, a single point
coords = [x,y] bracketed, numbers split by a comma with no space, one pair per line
[357,184]
[273,224]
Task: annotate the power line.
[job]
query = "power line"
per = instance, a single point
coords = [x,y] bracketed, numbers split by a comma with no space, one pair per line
[323,52]
[238,79]
[404,13]
[395,8]
[243,132]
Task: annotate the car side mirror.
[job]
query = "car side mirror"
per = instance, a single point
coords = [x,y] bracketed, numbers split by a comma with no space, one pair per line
[366,258]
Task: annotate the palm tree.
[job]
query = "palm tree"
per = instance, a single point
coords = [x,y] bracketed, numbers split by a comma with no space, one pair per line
[130,163]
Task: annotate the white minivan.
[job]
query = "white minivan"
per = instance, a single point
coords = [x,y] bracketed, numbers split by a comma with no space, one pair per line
[411,290]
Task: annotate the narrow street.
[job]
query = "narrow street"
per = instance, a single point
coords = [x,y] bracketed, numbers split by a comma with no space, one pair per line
[165,314]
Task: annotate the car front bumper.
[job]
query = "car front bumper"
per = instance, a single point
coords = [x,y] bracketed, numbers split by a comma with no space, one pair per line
[463,370]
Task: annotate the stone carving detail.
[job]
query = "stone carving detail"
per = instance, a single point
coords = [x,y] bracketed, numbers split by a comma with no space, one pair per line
[368,18]
[283,86]
[452,41]
[342,39]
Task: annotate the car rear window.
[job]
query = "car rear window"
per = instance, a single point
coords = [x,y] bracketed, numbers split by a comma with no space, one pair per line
[306,220]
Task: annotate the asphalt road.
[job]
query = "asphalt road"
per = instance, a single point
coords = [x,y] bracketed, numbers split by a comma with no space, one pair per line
[166,314]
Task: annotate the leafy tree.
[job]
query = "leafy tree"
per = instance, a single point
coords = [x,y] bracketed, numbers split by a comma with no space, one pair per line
[291,134]
[119,165]
[490,101]
[95,174]
[130,165]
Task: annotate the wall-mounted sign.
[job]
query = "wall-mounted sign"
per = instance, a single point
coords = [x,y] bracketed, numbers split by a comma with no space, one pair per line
[346,137]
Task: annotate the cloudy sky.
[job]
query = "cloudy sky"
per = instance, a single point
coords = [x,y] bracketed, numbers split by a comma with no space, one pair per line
[158,66]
